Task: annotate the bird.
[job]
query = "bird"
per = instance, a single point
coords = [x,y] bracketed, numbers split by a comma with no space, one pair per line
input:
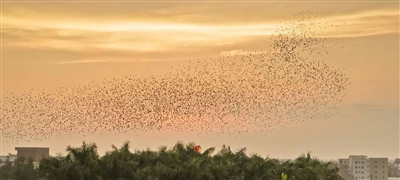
[236,93]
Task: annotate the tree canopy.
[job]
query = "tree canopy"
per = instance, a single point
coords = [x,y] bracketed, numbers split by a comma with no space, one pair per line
[181,161]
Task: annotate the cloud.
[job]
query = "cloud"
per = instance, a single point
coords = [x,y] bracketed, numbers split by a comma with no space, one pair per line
[373,22]
[239,13]
[109,60]
[238,52]
[85,61]
[41,30]
[371,106]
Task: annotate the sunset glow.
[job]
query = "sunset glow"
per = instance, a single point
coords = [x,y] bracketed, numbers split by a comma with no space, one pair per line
[48,45]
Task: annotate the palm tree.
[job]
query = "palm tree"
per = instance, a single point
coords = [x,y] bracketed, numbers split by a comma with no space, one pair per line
[308,167]
[7,171]
[83,161]
[118,163]
[24,169]
[179,162]
[54,168]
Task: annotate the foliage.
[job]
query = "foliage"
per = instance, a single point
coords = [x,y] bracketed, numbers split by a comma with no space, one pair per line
[21,169]
[178,162]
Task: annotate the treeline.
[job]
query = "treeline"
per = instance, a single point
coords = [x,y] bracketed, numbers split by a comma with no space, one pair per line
[180,162]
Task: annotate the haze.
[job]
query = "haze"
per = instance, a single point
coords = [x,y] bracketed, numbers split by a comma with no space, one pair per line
[46,45]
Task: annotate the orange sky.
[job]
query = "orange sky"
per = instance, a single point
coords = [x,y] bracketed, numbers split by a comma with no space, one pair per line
[51,44]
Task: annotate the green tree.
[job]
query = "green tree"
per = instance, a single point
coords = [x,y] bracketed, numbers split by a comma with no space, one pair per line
[119,163]
[24,169]
[7,171]
[55,168]
[180,161]
[83,162]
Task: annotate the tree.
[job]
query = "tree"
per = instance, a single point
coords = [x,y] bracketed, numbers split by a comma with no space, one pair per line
[7,171]
[83,162]
[178,162]
[54,168]
[119,163]
[24,169]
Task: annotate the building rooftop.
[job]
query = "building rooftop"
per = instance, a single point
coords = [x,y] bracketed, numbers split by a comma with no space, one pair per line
[31,148]
[358,156]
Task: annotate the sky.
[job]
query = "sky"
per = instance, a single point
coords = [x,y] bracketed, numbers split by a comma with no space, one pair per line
[47,45]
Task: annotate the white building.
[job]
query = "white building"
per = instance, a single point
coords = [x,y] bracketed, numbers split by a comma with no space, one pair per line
[359,167]
[4,159]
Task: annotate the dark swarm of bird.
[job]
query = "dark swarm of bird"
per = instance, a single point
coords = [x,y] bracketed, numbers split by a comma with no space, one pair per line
[235,93]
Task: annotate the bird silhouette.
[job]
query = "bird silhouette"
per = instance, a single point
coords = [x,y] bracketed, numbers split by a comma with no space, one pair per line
[232,94]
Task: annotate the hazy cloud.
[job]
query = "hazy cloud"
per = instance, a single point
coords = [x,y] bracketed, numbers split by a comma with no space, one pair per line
[172,29]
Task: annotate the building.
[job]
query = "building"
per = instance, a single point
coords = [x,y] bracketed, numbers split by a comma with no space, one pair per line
[333,164]
[397,162]
[36,153]
[393,170]
[379,168]
[360,167]
[9,158]
[344,168]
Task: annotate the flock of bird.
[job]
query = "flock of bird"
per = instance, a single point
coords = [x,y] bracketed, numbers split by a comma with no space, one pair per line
[236,93]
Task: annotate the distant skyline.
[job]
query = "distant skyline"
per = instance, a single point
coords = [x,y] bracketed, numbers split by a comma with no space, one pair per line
[46,45]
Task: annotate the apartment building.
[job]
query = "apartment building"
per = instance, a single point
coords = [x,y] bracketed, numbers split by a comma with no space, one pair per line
[360,167]
[396,162]
[379,168]
[344,168]
[394,170]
